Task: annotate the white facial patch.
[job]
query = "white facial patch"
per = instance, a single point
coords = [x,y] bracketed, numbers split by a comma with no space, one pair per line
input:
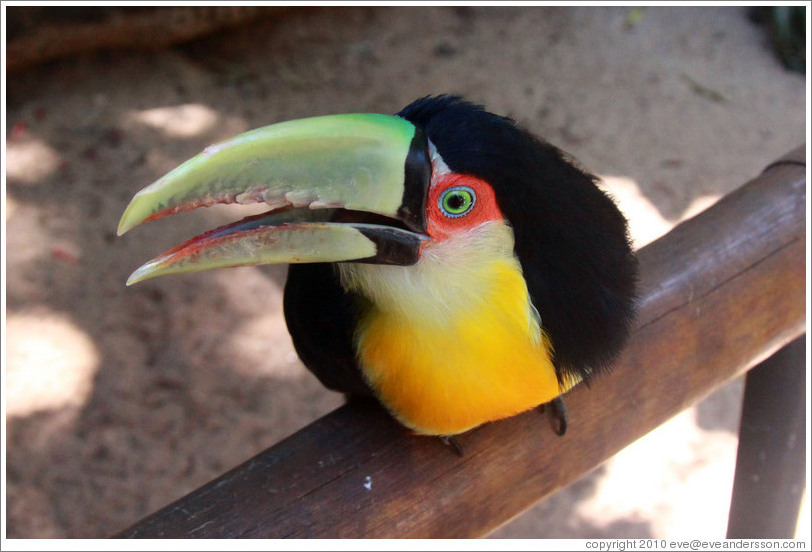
[439,168]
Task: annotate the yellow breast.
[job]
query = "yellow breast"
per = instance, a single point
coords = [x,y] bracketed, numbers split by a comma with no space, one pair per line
[453,341]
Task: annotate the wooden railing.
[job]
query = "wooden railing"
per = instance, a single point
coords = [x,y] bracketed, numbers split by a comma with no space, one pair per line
[720,293]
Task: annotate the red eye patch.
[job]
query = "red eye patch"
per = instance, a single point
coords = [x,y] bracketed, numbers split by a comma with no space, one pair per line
[459,202]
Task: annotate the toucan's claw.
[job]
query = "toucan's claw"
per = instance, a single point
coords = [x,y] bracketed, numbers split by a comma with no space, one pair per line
[453,443]
[559,415]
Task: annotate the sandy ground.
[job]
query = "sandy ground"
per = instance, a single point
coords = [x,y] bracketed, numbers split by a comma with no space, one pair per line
[119,400]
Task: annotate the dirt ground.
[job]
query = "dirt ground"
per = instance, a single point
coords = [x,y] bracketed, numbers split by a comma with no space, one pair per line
[120,400]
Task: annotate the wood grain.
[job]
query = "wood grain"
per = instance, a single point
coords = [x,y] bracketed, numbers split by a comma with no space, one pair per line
[719,293]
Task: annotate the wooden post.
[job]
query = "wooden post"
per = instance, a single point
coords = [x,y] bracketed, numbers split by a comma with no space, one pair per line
[771,460]
[719,293]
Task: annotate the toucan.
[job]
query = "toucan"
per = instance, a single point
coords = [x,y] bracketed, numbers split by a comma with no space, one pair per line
[443,260]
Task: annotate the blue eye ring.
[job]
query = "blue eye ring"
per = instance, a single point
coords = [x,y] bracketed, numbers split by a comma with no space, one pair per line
[457,201]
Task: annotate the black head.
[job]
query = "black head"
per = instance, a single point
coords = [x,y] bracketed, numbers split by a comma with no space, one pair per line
[571,239]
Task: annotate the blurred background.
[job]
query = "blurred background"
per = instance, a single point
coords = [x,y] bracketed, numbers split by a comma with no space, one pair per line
[120,400]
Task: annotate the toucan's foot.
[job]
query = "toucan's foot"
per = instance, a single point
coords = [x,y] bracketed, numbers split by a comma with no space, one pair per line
[559,415]
[453,443]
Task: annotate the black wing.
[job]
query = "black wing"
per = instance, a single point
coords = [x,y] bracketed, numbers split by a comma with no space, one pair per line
[321,319]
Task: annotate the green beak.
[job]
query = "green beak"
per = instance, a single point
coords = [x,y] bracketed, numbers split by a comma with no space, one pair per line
[339,188]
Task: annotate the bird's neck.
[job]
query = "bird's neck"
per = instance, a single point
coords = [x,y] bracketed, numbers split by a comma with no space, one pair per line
[454,340]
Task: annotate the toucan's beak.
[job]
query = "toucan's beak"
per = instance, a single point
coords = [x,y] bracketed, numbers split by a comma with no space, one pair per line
[340,188]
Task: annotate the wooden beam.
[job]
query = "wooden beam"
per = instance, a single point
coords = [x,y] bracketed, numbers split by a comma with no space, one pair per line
[719,293]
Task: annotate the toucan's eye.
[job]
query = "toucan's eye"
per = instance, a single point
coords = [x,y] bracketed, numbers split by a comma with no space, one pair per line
[457,201]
